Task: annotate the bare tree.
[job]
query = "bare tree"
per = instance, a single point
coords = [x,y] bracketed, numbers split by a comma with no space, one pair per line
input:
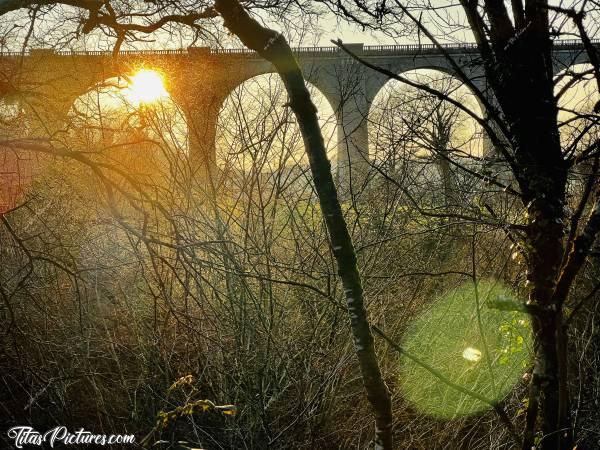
[515,44]
[516,49]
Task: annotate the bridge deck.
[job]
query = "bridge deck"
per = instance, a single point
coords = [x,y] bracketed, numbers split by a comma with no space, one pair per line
[399,49]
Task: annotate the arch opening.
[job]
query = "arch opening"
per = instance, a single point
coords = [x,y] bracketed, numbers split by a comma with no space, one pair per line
[258,136]
[421,139]
[577,94]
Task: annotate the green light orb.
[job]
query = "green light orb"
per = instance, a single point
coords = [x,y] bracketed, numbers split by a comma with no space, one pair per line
[486,353]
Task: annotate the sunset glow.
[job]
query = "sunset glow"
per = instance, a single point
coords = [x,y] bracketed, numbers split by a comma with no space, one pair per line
[146,86]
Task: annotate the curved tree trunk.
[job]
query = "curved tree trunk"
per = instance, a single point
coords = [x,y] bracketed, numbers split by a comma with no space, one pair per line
[273,47]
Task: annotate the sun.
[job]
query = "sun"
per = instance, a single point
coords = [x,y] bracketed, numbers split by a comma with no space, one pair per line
[146,86]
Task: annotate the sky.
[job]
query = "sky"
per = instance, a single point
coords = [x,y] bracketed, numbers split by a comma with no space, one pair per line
[56,28]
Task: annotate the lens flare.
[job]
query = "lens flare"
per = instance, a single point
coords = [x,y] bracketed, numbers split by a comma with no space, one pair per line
[468,338]
[471,354]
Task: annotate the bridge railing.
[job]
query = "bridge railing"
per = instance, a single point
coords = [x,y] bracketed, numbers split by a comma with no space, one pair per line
[419,48]
[246,51]
[323,51]
[123,52]
[232,51]
[412,48]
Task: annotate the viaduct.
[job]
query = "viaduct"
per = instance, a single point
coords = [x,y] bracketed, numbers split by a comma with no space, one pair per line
[199,79]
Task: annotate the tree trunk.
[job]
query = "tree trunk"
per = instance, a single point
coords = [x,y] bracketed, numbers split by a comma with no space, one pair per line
[523,83]
[273,47]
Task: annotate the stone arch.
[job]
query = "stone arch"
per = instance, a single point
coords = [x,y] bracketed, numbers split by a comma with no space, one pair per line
[437,63]
[446,77]
[323,76]
[202,93]
[133,120]
[60,79]
[353,110]
[417,136]
[566,58]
